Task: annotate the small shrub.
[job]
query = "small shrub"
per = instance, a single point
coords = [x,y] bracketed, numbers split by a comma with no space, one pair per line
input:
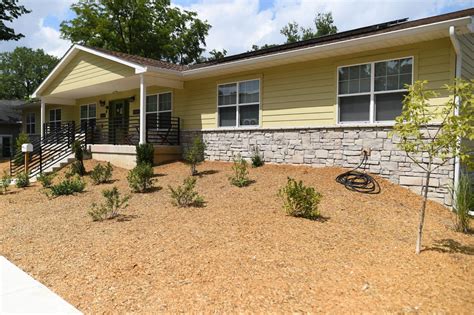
[464,201]
[145,153]
[20,140]
[185,196]
[22,180]
[101,174]
[195,154]
[76,168]
[78,165]
[299,200]
[5,182]
[240,168]
[140,178]
[257,159]
[46,180]
[68,186]
[112,206]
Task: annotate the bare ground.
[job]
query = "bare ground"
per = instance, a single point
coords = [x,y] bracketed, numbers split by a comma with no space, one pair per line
[241,253]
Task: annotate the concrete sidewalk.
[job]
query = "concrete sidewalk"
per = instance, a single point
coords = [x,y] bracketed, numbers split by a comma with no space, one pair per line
[21,294]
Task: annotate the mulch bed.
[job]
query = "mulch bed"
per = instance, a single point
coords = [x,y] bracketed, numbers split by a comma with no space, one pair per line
[241,253]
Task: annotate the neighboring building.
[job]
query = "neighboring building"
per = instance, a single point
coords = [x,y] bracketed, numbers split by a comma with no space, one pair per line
[317,102]
[10,125]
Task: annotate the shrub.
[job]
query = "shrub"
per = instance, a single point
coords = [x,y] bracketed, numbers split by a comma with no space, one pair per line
[68,186]
[101,174]
[240,168]
[46,180]
[195,154]
[20,140]
[257,159]
[5,181]
[464,201]
[145,153]
[112,206]
[185,196]
[299,200]
[78,165]
[140,178]
[22,180]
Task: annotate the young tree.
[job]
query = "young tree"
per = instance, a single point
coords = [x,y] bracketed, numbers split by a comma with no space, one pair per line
[148,28]
[424,143]
[9,11]
[22,71]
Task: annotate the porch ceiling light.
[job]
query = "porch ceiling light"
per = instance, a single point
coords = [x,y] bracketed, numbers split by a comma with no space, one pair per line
[102,103]
[132,99]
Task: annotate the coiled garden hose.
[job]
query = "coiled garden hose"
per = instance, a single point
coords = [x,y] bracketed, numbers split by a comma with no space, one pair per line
[359,181]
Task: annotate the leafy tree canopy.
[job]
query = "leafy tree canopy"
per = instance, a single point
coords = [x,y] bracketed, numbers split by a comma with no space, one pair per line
[148,28]
[324,25]
[22,71]
[9,11]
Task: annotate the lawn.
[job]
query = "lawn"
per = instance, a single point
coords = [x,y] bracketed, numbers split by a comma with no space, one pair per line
[241,253]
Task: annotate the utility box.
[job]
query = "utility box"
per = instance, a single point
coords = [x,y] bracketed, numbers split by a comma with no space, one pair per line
[26,147]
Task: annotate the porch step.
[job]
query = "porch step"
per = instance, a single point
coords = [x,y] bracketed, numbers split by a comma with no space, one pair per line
[59,164]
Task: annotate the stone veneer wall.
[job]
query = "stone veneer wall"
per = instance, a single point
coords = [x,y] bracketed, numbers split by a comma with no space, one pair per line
[328,146]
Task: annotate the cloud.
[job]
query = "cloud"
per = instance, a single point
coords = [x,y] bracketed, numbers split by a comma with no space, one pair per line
[37,34]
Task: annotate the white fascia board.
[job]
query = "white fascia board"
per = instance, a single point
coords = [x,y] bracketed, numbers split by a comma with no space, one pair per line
[172,74]
[330,46]
[71,53]
[58,100]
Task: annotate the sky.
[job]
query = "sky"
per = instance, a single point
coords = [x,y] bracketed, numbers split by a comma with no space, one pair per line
[237,24]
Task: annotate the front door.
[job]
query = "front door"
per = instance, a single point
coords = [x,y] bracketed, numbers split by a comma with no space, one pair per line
[118,121]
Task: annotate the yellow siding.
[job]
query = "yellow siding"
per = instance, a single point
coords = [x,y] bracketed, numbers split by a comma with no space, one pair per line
[86,70]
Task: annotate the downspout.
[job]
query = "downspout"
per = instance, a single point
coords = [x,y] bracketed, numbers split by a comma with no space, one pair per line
[457,75]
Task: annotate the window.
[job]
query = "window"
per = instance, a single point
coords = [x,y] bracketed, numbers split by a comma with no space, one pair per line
[159,109]
[373,92]
[88,115]
[30,123]
[238,104]
[55,119]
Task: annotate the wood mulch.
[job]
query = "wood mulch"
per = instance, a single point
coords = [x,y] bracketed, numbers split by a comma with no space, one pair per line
[241,253]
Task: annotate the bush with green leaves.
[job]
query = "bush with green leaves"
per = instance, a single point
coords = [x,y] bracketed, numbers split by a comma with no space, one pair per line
[257,159]
[300,200]
[68,186]
[19,156]
[46,179]
[185,195]
[240,168]
[195,154]
[463,202]
[78,165]
[5,182]
[145,153]
[101,174]
[22,180]
[140,178]
[114,203]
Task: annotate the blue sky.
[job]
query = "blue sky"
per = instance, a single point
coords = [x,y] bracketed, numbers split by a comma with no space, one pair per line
[238,24]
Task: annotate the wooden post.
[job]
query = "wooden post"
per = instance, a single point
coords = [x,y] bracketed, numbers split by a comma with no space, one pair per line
[27,161]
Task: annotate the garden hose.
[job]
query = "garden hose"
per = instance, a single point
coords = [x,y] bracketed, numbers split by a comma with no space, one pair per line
[359,181]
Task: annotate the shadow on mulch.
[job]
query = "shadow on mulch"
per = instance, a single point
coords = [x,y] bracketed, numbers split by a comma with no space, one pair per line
[126,217]
[208,172]
[451,246]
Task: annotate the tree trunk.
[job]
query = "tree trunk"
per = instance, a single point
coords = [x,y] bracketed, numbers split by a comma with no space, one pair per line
[422,211]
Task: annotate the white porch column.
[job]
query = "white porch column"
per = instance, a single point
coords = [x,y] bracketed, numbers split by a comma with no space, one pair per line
[42,118]
[142,109]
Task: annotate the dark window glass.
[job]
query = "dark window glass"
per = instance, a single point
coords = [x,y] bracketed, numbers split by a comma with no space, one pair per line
[227,116]
[354,108]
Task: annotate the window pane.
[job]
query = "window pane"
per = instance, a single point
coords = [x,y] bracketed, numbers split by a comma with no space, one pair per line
[343,74]
[227,117]
[92,112]
[151,103]
[83,111]
[354,108]
[381,84]
[343,87]
[354,86]
[406,65]
[58,114]
[227,94]
[380,69]
[404,79]
[359,79]
[365,71]
[249,92]
[51,115]
[392,82]
[354,72]
[164,120]
[392,67]
[388,106]
[364,85]
[249,115]
[165,102]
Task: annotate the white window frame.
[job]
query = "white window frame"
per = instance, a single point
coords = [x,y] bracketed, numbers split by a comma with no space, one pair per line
[88,110]
[372,92]
[237,105]
[158,111]
[29,123]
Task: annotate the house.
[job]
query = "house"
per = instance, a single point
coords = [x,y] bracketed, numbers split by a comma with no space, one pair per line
[317,102]
[10,125]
